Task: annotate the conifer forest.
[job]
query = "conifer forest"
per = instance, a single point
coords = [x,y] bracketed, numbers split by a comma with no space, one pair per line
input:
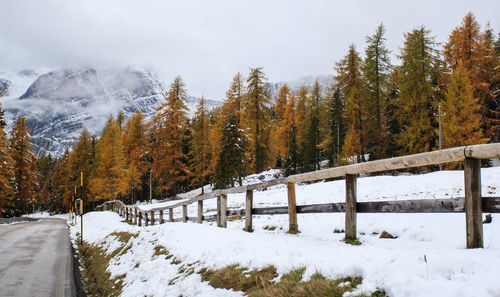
[379,105]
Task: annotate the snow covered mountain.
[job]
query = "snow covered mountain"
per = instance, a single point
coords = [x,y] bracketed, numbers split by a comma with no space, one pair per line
[59,104]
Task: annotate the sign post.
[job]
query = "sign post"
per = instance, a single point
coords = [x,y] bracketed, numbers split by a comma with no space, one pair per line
[75,207]
[81,207]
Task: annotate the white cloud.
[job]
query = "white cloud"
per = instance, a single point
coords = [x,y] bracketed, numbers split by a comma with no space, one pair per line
[207,42]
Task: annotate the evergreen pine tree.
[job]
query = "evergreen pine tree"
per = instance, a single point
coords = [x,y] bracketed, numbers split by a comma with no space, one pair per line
[332,144]
[120,119]
[300,123]
[291,160]
[375,68]
[391,119]
[44,166]
[230,158]
[56,188]
[312,140]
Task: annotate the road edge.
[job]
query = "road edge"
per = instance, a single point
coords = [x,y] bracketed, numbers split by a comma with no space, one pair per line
[77,276]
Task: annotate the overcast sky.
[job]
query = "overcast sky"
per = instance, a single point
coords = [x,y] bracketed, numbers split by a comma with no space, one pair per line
[207,42]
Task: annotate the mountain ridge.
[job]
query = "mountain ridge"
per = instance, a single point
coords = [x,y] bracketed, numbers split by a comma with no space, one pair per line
[59,104]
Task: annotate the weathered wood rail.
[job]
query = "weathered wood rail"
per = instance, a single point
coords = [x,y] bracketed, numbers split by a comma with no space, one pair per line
[472,204]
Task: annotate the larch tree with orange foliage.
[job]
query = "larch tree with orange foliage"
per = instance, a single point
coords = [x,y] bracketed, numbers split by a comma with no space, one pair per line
[24,161]
[200,147]
[291,161]
[349,82]
[462,123]
[81,159]
[258,117]
[475,50]
[235,101]
[135,146]
[110,179]
[277,142]
[6,170]
[169,165]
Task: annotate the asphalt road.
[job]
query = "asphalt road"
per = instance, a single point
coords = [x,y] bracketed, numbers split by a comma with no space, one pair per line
[36,259]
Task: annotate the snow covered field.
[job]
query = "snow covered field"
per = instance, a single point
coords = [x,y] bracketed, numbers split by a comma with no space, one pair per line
[394,265]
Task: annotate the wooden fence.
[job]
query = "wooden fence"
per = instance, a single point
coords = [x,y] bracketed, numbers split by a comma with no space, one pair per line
[472,204]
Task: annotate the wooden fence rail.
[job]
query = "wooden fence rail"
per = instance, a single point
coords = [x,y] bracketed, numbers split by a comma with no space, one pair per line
[472,204]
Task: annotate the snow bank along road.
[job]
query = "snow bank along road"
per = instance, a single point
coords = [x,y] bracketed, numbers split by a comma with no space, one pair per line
[36,259]
[428,258]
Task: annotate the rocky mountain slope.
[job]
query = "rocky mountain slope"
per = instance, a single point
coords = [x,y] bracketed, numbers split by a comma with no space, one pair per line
[59,104]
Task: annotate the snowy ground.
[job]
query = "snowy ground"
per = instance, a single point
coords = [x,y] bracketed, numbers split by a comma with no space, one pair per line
[395,265]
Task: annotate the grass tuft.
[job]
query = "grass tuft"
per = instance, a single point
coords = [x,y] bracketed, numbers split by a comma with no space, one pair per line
[239,278]
[386,234]
[161,250]
[269,228]
[352,241]
[124,237]
[97,280]
[259,283]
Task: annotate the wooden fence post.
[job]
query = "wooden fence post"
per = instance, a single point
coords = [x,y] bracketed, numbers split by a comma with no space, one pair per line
[350,206]
[184,213]
[473,206]
[152,217]
[248,211]
[292,209]
[126,213]
[218,219]
[161,216]
[223,211]
[139,221]
[200,211]
[146,219]
[135,216]
[170,214]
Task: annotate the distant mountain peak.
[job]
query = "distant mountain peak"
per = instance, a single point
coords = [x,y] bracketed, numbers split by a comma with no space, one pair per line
[59,104]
